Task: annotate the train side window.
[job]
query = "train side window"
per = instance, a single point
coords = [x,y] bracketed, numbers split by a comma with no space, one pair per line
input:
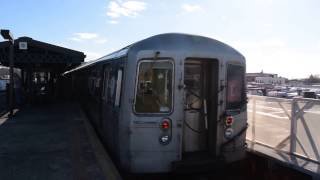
[111,87]
[154,87]
[92,86]
[235,86]
[118,88]
[94,83]
[106,75]
[97,82]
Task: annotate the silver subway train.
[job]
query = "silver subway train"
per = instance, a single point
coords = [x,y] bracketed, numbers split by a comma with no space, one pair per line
[167,102]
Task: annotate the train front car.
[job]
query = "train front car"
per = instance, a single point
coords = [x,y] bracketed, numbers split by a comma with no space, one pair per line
[184,104]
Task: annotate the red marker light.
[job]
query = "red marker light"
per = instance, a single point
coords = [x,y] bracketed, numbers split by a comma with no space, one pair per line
[165,124]
[229,120]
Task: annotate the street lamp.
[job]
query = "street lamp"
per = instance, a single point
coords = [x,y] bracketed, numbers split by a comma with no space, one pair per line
[6,34]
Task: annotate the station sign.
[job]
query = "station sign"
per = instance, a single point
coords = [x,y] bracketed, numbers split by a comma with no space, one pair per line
[23,45]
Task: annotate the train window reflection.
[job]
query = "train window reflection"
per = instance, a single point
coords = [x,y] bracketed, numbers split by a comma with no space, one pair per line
[236,93]
[154,87]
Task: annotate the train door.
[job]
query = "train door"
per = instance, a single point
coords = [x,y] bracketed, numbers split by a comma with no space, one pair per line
[105,105]
[200,113]
[113,74]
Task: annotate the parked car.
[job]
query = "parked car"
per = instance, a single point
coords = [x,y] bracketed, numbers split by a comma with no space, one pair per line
[3,84]
[310,94]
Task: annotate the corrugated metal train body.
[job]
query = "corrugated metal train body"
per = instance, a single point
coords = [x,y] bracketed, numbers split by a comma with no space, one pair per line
[133,138]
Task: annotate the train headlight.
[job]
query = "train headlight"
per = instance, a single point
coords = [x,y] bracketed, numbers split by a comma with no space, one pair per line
[164,139]
[228,133]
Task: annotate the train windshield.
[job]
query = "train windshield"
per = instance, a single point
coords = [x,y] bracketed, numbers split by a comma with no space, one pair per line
[236,93]
[154,87]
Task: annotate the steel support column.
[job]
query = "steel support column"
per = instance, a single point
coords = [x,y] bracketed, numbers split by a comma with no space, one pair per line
[11,84]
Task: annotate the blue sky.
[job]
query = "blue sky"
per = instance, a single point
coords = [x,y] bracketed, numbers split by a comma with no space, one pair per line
[276,36]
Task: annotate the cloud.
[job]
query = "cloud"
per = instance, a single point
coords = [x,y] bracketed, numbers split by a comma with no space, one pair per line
[117,9]
[101,41]
[223,18]
[75,39]
[191,7]
[85,36]
[113,22]
[267,25]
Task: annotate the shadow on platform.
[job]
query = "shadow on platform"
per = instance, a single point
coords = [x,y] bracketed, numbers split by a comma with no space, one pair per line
[48,142]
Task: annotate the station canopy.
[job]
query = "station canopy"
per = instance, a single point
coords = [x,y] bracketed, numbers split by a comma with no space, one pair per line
[40,55]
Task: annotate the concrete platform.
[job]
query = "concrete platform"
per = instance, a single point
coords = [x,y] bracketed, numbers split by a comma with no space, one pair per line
[52,142]
[300,164]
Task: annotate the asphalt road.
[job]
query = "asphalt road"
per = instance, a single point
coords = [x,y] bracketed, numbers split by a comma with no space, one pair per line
[272,126]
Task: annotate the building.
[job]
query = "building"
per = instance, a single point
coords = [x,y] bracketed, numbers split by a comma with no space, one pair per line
[265,78]
[296,83]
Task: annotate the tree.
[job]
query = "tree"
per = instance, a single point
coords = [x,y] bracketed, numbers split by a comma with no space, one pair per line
[313,79]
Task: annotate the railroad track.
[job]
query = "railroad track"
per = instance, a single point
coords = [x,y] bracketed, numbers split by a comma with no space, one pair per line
[253,167]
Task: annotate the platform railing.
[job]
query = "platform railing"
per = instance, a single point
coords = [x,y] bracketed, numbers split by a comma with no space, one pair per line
[287,125]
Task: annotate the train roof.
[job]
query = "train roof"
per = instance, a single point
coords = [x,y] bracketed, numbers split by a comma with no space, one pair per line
[168,41]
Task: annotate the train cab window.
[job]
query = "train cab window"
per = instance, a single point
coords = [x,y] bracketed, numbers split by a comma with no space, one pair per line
[154,87]
[235,86]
